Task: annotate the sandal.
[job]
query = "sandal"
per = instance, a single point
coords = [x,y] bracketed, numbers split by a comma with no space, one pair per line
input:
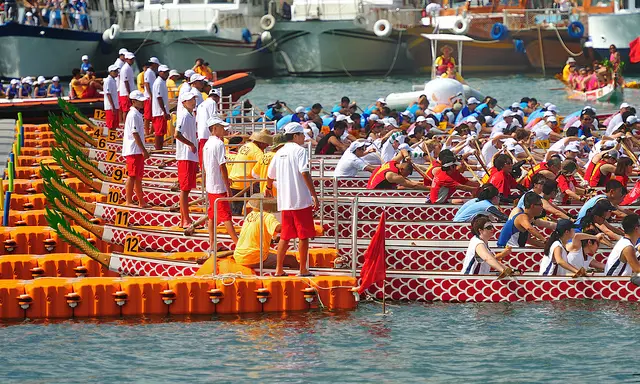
[305,275]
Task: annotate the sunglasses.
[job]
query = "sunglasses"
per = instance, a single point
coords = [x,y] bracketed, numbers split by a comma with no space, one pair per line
[488,228]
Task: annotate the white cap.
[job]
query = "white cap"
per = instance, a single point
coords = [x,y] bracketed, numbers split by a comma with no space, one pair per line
[404,146]
[515,105]
[589,107]
[15,81]
[548,114]
[546,105]
[300,109]
[520,112]
[381,100]
[431,122]
[552,108]
[608,144]
[472,100]
[163,68]
[85,57]
[344,118]
[122,51]
[173,72]
[55,78]
[632,119]
[508,113]
[154,60]
[358,144]
[215,92]
[488,120]
[624,105]
[41,79]
[188,73]
[472,119]
[113,67]
[29,14]
[129,56]
[293,128]
[215,120]
[571,60]
[420,119]
[392,122]
[552,119]
[187,96]
[572,148]
[27,80]
[137,95]
[373,117]
[196,77]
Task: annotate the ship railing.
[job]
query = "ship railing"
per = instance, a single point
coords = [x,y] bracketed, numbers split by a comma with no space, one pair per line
[91,21]
[519,19]
[399,18]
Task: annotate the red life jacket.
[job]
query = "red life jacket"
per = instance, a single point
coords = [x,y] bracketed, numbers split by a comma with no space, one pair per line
[434,164]
[624,179]
[589,171]
[526,182]
[378,178]
[598,179]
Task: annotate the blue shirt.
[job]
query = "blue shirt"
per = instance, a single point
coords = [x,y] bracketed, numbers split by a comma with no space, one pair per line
[511,232]
[56,90]
[85,66]
[471,209]
[588,205]
[464,112]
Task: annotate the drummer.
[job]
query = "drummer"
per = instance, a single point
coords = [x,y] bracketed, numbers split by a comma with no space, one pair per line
[480,259]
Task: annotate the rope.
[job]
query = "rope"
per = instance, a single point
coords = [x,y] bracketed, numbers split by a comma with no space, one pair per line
[395,57]
[565,47]
[344,68]
[252,52]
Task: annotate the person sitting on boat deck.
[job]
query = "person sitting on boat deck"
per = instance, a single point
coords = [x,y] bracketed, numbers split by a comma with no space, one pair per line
[216,179]
[519,228]
[569,187]
[133,149]
[247,251]
[171,83]
[83,87]
[566,71]
[479,258]
[390,146]
[394,174]
[351,161]
[344,108]
[485,203]
[616,119]
[261,169]
[623,259]
[55,88]
[85,64]
[40,90]
[603,170]
[614,192]
[186,153]
[311,132]
[248,156]
[548,130]
[449,179]
[298,116]
[548,169]
[507,124]
[14,89]
[563,239]
[26,88]
[580,253]
[487,106]
[452,73]
[443,61]
[468,109]
[502,178]
[597,218]
[331,143]
[623,171]
[111,102]
[547,189]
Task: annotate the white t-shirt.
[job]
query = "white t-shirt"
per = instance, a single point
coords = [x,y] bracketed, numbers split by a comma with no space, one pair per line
[512,145]
[557,147]
[134,123]
[213,156]
[548,264]
[198,95]
[204,112]
[110,88]
[126,75]
[349,165]
[614,123]
[499,128]
[542,131]
[387,152]
[433,8]
[119,62]
[576,258]
[159,89]
[286,168]
[472,263]
[488,151]
[186,125]
[149,77]
[184,87]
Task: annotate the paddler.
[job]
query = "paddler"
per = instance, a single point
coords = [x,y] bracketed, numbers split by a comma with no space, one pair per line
[468,109]
[247,251]
[568,67]
[479,258]
[485,203]
[296,201]
[160,106]
[149,78]
[126,83]
[205,111]
[603,169]
[449,179]
[623,259]
[40,90]
[111,101]
[548,169]
[351,161]
[344,108]
[26,87]
[519,228]
[563,240]
[56,90]
[617,119]
[83,87]
[13,91]
[216,179]
[186,153]
[548,190]
[393,173]
[569,188]
[248,155]
[442,62]
[502,178]
[613,193]
[331,143]
[133,149]
[580,253]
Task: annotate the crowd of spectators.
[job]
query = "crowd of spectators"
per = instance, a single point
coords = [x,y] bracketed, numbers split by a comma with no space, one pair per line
[68,14]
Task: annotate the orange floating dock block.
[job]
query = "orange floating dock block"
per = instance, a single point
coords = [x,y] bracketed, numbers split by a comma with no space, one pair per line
[191,296]
[26,151]
[36,128]
[39,143]
[49,298]
[10,291]
[285,294]
[97,297]
[33,186]
[38,200]
[240,296]
[333,292]
[17,267]
[144,295]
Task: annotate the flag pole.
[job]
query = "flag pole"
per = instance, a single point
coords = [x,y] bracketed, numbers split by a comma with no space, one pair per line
[384,296]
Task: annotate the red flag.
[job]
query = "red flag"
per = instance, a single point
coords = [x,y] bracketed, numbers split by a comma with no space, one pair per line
[374,268]
[634,51]
[633,196]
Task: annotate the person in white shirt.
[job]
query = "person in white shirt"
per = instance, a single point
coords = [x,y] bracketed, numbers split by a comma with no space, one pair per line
[149,78]
[623,259]
[191,82]
[198,86]
[133,149]
[186,154]
[127,82]
[160,106]
[290,168]
[616,119]
[216,178]
[120,60]
[204,112]
[351,161]
[111,102]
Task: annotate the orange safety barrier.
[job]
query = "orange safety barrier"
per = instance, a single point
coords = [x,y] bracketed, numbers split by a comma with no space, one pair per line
[38,201]
[38,143]
[43,240]
[144,295]
[96,297]
[191,296]
[49,298]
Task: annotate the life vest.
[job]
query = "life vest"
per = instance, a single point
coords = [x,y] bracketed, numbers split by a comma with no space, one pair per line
[434,164]
[378,178]
[598,179]
[624,179]
[324,147]
[526,182]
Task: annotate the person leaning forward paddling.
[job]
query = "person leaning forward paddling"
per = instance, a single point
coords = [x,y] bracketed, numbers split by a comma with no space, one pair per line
[480,259]
[297,197]
[394,174]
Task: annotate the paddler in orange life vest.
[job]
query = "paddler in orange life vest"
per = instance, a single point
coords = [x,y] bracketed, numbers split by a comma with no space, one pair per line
[443,61]
[603,169]
[449,179]
[549,169]
[393,173]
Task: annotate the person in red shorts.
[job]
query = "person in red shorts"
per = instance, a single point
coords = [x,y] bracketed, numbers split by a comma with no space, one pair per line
[186,153]
[133,149]
[297,197]
[216,179]
[160,106]
[149,77]
[449,179]
[111,102]
[126,82]
[502,178]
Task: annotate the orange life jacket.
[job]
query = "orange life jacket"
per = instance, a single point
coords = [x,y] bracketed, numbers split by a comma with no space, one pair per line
[526,182]
[598,179]
[378,177]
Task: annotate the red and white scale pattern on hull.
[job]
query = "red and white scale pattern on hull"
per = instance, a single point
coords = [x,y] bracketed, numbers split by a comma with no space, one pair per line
[134,266]
[101,155]
[164,241]
[151,173]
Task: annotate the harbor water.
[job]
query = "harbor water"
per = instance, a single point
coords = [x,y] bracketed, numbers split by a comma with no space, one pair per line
[568,341]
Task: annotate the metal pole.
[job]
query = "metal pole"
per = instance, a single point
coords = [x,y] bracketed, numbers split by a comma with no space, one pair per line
[322,192]
[261,234]
[335,213]
[544,71]
[354,238]
[215,240]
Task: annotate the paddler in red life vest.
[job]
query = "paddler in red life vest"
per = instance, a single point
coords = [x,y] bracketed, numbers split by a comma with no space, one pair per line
[449,179]
[394,174]
[603,169]
[549,169]
[502,178]
[443,61]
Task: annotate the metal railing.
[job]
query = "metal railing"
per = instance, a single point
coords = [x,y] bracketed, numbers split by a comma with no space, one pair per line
[91,21]
[517,19]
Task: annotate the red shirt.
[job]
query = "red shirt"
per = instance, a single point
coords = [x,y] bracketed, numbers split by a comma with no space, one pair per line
[566,183]
[503,181]
[444,185]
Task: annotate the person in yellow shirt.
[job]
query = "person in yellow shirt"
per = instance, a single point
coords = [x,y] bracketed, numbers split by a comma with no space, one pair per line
[140,79]
[452,74]
[84,87]
[203,68]
[171,83]
[443,61]
[261,168]
[247,250]
[253,150]
[566,71]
